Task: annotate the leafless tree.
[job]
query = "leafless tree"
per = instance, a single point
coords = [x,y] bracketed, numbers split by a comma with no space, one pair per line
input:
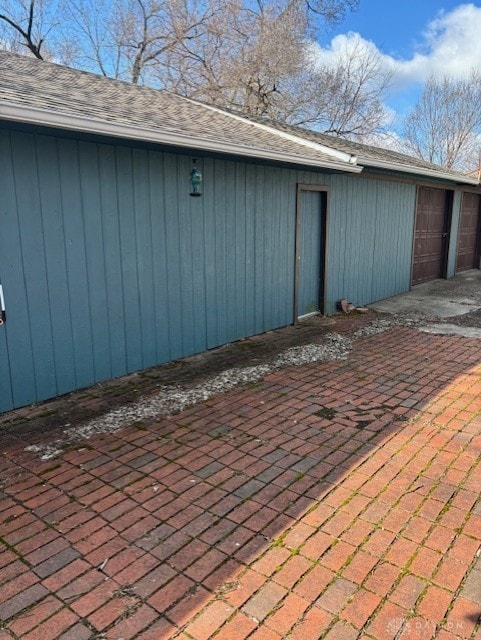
[248,55]
[212,40]
[242,58]
[129,38]
[151,28]
[331,10]
[344,98]
[444,125]
[255,59]
[27,23]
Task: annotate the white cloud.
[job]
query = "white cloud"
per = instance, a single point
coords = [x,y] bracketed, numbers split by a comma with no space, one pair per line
[345,43]
[454,40]
[450,45]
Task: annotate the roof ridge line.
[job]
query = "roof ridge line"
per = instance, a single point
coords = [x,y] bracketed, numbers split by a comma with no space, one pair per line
[343,156]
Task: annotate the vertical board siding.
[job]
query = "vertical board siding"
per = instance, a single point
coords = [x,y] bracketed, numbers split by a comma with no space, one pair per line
[197,231]
[94,259]
[240,233]
[223,267]
[186,223]
[369,240]
[16,357]
[34,264]
[143,250]
[75,264]
[109,266]
[249,315]
[393,240]
[131,279]
[54,249]
[110,229]
[159,257]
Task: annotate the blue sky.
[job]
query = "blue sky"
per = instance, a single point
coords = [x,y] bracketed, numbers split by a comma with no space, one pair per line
[415,38]
[396,27]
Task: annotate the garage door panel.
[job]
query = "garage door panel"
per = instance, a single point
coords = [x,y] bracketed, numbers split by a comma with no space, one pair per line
[430,235]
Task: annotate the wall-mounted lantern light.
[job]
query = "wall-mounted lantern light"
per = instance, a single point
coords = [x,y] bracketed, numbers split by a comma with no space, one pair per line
[195,180]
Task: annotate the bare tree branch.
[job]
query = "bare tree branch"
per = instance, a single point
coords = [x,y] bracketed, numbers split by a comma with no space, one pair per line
[248,55]
[444,125]
[34,45]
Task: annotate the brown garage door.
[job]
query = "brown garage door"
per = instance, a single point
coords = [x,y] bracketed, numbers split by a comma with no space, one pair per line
[430,238]
[469,229]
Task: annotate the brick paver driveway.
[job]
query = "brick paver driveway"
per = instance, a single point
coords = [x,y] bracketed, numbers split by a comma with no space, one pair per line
[335,500]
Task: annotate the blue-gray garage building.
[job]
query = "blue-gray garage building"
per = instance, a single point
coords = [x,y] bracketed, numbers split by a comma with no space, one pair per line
[110,262]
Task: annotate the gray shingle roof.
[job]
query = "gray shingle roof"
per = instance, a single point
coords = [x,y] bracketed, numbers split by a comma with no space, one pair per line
[62,95]
[28,82]
[364,152]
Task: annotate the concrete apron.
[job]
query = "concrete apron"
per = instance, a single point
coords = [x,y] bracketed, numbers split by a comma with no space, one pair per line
[439,299]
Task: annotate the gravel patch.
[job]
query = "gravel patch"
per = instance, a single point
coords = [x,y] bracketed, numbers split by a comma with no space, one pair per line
[334,347]
[385,322]
[169,400]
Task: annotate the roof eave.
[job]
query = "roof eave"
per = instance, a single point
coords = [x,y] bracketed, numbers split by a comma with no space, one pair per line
[14,112]
[421,171]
